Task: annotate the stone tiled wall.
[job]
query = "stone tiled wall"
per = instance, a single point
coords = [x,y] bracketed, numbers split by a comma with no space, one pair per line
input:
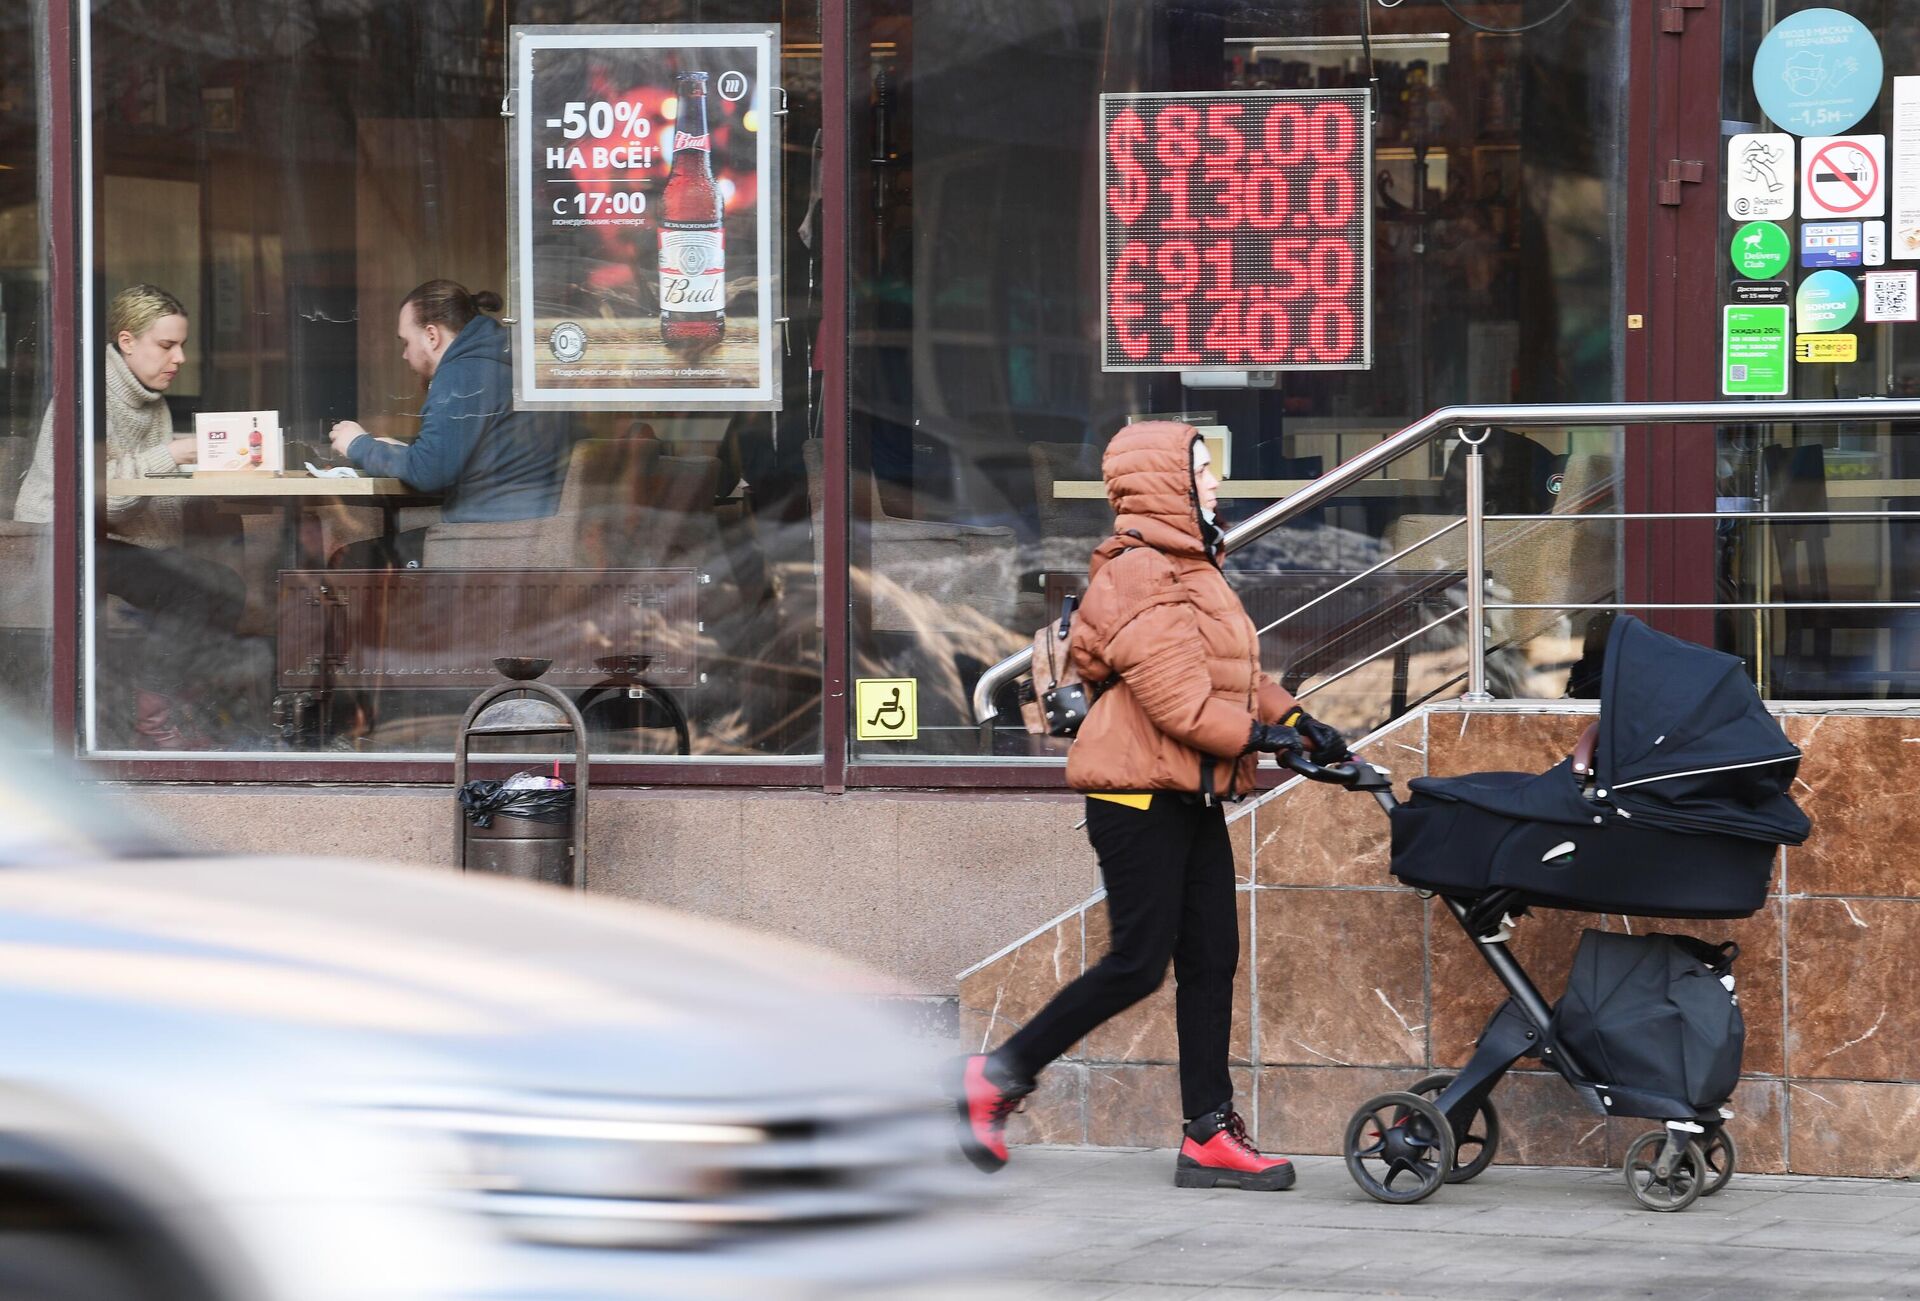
[1350,985]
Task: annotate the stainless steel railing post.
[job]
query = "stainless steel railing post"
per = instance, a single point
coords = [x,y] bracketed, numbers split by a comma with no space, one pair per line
[1476,569]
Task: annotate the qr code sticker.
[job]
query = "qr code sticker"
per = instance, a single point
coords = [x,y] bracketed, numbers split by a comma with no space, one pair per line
[1891,297]
[1737,373]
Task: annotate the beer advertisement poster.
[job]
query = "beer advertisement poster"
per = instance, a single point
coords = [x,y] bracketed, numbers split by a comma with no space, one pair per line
[645,193]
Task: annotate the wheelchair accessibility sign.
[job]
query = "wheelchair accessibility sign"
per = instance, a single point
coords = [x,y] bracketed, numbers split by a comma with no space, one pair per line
[886,709]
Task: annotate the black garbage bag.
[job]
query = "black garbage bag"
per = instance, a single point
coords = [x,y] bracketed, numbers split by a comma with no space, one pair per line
[484,800]
[1655,1012]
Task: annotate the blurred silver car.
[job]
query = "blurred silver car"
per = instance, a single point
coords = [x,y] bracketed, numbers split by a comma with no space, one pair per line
[276,1079]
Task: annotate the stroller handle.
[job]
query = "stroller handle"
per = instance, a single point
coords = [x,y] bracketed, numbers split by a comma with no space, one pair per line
[1355,773]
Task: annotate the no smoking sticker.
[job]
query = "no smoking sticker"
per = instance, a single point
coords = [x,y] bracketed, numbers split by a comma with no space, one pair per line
[1843,176]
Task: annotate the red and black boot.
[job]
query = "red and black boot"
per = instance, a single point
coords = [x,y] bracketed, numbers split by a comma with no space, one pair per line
[986,1095]
[1216,1154]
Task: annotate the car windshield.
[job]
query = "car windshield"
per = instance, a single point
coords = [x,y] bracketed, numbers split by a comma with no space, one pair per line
[48,816]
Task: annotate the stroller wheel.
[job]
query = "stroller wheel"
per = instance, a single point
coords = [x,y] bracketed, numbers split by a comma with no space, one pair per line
[1720,1154]
[1399,1148]
[1474,1140]
[1683,1183]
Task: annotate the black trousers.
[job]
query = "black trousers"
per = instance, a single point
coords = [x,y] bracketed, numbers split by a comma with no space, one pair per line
[193,604]
[1168,870]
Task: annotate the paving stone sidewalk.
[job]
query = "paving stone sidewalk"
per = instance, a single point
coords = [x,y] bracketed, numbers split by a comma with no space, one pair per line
[1104,1224]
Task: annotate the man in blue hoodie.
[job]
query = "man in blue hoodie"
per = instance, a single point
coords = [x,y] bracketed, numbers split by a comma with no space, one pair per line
[490,462]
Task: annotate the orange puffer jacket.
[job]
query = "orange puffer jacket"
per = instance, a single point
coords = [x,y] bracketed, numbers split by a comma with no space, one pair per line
[1160,629]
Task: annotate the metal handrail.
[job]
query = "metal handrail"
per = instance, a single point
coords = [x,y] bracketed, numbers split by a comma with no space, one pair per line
[1528,416]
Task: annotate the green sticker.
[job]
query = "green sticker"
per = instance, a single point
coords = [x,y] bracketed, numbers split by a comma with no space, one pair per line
[1753,352]
[1826,302]
[1761,250]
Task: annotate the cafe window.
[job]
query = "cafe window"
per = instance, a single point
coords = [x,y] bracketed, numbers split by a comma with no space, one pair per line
[25,544]
[317,508]
[1820,235]
[980,405]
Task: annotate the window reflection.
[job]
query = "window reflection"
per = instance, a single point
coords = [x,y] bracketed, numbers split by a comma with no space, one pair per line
[322,190]
[25,548]
[980,408]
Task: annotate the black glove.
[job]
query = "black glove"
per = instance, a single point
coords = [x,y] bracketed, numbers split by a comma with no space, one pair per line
[1275,738]
[1327,744]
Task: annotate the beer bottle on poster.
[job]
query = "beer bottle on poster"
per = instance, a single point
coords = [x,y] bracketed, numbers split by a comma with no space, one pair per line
[693,255]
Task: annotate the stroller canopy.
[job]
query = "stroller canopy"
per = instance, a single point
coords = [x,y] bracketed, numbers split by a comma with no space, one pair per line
[1685,744]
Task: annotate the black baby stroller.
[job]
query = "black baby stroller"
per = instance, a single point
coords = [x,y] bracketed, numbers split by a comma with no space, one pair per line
[1673,806]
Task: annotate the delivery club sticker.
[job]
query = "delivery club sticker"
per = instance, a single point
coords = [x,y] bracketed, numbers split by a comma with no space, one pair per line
[1761,250]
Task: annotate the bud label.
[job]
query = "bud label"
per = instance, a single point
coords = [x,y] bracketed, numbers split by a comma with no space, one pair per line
[681,140]
[693,267]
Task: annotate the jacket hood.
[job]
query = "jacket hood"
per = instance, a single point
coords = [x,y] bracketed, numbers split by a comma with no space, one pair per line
[481,339]
[1148,468]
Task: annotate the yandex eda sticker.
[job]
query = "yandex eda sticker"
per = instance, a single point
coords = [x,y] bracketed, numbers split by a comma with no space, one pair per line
[886,709]
[1843,176]
[1760,177]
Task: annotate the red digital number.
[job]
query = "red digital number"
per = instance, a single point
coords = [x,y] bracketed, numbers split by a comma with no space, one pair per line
[1332,268]
[1129,198]
[1181,353]
[1334,132]
[1226,197]
[1287,260]
[1265,329]
[1331,332]
[1223,337]
[1178,263]
[1287,135]
[1220,126]
[1124,303]
[1331,197]
[1263,199]
[1179,143]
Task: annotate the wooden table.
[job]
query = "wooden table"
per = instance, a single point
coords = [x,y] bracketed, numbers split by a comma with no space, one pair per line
[257,483]
[287,490]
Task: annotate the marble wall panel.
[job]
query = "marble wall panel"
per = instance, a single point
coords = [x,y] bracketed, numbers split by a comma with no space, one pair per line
[1304,1109]
[1838,1127]
[1056,1111]
[1146,1031]
[1001,996]
[1139,1106]
[1544,1122]
[1499,741]
[1852,967]
[1322,835]
[1342,977]
[1857,784]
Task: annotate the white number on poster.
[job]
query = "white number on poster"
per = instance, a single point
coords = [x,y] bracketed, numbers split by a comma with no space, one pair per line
[1760,177]
[1890,296]
[1843,176]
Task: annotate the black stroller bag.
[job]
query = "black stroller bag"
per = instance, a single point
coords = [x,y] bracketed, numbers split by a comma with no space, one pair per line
[1654,1013]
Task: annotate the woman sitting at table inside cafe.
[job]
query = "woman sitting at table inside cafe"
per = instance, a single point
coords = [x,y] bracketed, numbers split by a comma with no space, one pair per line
[191,604]
[494,465]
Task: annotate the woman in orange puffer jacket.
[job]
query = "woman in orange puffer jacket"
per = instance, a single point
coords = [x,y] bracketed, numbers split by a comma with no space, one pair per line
[1181,714]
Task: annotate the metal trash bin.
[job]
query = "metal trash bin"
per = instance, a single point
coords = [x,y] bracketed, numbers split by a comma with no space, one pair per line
[529,847]
[513,844]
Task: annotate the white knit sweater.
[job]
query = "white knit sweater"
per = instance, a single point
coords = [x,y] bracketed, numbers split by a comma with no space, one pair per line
[139,427]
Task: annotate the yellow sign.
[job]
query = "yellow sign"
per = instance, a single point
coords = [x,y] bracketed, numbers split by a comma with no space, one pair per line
[886,709]
[1826,347]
